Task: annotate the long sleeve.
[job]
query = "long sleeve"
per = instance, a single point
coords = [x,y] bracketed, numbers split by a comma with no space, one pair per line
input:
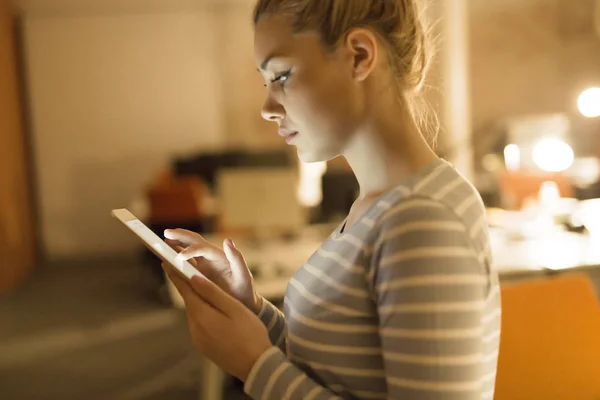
[430,289]
[274,320]
[274,377]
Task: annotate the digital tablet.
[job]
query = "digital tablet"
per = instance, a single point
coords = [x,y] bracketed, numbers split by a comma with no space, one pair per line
[155,244]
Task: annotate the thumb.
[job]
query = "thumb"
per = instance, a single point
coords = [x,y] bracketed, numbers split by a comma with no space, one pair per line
[236,259]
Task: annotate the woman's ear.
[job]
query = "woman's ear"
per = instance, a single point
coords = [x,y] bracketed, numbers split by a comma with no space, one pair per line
[362,45]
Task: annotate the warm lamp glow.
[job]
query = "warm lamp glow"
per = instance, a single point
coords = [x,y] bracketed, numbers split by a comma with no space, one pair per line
[549,193]
[553,155]
[587,215]
[589,102]
[512,157]
[309,188]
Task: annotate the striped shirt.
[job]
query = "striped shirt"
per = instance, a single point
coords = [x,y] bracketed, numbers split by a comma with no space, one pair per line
[401,305]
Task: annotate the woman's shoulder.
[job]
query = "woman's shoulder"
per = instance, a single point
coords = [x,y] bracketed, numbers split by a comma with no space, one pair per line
[442,207]
[441,192]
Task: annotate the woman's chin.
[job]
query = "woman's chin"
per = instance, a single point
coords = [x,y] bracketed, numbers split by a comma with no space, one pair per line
[310,157]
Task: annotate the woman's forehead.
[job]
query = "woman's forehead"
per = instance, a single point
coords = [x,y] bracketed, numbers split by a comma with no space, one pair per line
[274,37]
[271,36]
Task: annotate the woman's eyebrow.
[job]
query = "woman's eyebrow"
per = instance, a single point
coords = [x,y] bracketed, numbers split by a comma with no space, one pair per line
[267,60]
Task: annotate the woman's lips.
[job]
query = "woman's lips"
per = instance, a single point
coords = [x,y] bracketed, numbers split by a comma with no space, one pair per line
[287,134]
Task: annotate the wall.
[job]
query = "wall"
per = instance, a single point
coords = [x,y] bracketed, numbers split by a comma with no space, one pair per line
[113,96]
[119,87]
[532,57]
[242,85]
[17,243]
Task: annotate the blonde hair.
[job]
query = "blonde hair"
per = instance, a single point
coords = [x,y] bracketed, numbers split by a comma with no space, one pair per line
[399,24]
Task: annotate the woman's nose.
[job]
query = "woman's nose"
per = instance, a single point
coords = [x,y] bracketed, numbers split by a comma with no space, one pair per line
[272,110]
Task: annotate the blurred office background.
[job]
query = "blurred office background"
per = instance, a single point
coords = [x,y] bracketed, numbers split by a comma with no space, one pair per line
[154,105]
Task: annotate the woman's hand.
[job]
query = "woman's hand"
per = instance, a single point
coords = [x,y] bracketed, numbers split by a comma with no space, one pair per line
[222,328]
[225,267]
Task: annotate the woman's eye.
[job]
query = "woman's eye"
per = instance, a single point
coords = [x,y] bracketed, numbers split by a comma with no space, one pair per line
[282,78]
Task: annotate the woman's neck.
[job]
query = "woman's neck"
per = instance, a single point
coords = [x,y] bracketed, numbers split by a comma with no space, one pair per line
[387,150]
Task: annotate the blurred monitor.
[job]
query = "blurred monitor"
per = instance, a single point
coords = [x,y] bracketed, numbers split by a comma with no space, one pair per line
[259,199]
[207,165]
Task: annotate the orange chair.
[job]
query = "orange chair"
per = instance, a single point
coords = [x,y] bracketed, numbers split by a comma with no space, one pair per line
[176,199]
[518,187]
[550,342]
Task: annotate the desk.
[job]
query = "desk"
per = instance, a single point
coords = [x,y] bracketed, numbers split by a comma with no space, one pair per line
[553,253]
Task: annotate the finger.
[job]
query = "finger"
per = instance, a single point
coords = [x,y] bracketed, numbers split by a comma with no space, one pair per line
[201,250]
[175,243]
[215,296]
[183,236]
[192,261]
[235,258]
[177,247]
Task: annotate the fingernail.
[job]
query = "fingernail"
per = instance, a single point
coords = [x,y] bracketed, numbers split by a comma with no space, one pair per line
[231,244]
[167,232]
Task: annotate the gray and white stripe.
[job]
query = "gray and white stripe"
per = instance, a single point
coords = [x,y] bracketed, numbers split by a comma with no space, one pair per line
[403,304]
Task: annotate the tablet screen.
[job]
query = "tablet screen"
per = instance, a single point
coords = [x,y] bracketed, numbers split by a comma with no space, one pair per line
[155,243]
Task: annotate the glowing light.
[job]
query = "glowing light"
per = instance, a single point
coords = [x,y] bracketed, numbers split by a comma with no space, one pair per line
[589,102]
[554,252]
[512,157]
[585,171]
[549,195]
[587,215]
[553,155]
[309,190]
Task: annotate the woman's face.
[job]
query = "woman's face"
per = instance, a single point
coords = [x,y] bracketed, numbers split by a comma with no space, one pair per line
[310,93]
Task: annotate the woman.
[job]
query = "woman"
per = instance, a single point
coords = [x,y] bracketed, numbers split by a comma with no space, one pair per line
[400,302]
